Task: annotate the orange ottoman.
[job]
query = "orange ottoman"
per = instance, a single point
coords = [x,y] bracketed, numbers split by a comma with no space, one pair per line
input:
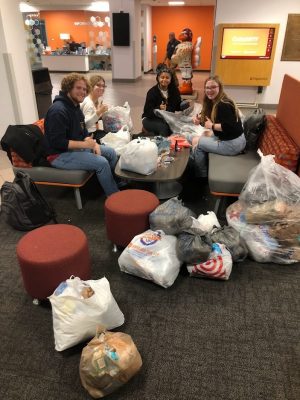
[51,254]
[127,214]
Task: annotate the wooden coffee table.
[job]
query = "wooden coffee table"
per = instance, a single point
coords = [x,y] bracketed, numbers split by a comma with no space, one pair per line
[165,178]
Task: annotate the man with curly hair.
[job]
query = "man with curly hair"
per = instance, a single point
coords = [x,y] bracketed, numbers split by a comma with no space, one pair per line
[67,140]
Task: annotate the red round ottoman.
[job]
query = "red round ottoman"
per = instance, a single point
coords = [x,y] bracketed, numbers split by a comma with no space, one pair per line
[127,214]
[50,255]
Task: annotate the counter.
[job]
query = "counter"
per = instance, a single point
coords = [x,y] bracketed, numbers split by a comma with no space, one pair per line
[70,63]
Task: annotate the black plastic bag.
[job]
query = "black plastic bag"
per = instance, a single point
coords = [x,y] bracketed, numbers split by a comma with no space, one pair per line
[254,125]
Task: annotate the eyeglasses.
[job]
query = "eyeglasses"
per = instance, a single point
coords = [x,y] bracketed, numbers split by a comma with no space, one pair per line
[211,87]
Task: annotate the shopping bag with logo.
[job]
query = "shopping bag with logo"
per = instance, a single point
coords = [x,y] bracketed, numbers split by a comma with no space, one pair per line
[108,361]
[218,266]
[152,255]
[140,156]
[78,307]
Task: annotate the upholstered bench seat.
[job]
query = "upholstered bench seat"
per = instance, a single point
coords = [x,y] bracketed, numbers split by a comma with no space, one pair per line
[59,177]
[228,174]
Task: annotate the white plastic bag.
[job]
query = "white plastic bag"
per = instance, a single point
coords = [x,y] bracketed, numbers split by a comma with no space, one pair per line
[116,117]
[218,266]
[78,307]
[152,255]
[140,156]
[209,221]
[117,140]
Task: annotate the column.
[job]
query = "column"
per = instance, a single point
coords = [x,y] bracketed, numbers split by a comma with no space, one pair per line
[17,99]
[126,60]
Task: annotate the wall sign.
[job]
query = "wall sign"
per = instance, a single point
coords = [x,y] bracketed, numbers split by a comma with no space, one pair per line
[291,45]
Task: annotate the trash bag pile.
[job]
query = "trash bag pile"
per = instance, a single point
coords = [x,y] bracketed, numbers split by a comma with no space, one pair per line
[177,237]
[267,214]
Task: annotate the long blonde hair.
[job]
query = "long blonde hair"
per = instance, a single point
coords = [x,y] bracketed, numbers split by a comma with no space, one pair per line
[210,107]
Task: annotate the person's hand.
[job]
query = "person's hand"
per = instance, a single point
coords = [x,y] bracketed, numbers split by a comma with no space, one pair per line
[101,109]
[208,123]
[208,133]
[196,119]
[89,143]
[97,149]
[195,141]
[163,106]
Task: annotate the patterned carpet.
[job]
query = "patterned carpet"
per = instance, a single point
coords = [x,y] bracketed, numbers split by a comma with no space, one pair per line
[199,339]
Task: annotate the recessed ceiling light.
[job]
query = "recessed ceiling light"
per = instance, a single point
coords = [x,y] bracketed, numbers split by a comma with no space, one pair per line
[99,6]
[176,3]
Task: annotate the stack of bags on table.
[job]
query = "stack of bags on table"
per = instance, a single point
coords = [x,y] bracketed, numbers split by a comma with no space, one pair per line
[81,309]
[177,237]
[267,214]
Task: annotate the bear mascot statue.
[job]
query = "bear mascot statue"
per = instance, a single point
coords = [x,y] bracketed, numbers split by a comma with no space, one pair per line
[186,57]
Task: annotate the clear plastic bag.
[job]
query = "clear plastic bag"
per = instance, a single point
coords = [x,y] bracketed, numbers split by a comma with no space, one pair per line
[116,117]
[180,123]
[267,214]
[108,361]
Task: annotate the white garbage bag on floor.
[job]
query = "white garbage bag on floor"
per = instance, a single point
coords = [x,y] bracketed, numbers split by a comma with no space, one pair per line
[152,255]
[78,307]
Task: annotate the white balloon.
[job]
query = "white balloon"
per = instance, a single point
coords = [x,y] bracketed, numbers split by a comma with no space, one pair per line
[31,22]
[107,19]
[92,19]
[197,50]
[27,22]
[38,41]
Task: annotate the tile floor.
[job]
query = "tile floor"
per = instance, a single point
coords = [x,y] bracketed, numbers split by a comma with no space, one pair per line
[116,93]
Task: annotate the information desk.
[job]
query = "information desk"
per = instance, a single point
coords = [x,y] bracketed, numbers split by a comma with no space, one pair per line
[70,63]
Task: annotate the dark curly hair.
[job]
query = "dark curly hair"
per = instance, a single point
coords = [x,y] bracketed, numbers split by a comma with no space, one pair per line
[69,80]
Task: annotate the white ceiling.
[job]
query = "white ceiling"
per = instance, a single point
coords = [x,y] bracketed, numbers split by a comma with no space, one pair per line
[82,4]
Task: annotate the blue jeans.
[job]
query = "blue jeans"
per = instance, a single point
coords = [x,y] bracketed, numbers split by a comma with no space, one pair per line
[213,145]
[86,160]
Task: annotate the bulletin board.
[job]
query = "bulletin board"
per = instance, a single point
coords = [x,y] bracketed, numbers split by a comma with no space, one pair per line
[245,53]
[291,45]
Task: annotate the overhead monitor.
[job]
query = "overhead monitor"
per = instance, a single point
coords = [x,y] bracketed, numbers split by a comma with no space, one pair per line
[247,43]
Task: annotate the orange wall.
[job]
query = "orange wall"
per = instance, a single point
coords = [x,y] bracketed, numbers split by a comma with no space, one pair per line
[57,22]
[174,19]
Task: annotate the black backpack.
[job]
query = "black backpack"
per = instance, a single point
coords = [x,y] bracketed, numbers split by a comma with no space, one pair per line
[254,125]
[23,205]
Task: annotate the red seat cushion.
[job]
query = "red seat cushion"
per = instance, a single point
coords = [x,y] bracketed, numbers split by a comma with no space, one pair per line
[275,140]
[127,214]
[51,254]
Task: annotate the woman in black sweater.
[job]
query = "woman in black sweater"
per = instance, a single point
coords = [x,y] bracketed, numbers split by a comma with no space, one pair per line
[164,96]
[224,134]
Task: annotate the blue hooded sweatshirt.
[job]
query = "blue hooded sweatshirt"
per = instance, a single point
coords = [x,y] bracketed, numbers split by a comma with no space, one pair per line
[63,122]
